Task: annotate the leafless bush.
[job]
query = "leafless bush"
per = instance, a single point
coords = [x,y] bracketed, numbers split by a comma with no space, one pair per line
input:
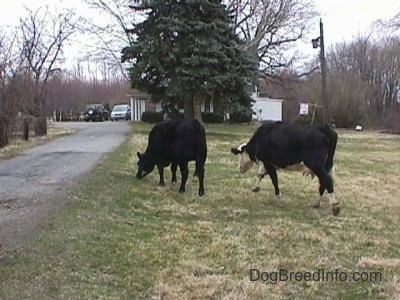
[391,122]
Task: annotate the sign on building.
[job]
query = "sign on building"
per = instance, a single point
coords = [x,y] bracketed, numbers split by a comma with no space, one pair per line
[304,108]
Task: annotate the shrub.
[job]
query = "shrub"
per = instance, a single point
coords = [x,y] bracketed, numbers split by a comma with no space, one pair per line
[212,117]
[305,120]
[175,115]
[241,116]
[152,116]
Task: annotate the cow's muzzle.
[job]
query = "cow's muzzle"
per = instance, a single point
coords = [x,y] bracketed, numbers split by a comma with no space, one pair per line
[141,174]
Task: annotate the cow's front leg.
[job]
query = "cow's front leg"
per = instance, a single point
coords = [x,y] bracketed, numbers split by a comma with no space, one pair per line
[174,166]
[183,167]
[160,168]
[260,176]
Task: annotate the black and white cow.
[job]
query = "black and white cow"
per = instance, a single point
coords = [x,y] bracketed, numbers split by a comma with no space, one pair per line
[278,145]
[175,142]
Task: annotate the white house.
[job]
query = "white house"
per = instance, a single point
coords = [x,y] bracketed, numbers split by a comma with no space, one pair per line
[266,109]
[140,102]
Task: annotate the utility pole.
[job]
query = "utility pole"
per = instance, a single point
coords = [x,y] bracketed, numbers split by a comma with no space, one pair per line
[325,102]
[319,42]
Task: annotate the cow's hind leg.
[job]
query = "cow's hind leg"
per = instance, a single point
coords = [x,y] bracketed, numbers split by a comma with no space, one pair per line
[183,167]
[200,174]
[174,166]
[326,182]
[160,168]
[274,177]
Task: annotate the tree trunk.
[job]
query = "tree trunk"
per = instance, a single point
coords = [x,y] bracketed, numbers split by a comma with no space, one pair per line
[192,110]
[40,126]
[25,129]
[188,108]
[3,132]
[197,112]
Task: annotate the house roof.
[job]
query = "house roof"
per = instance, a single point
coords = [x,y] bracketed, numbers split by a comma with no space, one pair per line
[138,94]
[267,99]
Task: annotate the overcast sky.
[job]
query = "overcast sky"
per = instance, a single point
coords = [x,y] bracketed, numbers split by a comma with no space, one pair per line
[343,19]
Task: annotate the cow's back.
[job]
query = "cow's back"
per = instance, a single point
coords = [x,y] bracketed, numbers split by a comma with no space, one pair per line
[286,144]
[159,140]
[189,140]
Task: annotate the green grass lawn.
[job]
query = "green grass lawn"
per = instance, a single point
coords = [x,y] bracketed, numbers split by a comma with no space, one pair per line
[121,238]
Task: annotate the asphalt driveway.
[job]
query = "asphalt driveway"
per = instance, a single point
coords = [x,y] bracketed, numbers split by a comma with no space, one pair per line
[37,181]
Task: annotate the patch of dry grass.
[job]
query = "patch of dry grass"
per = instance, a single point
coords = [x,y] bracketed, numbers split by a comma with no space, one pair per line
[16,145]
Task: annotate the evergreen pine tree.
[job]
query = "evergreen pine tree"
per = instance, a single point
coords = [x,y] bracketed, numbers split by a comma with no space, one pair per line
[187,52]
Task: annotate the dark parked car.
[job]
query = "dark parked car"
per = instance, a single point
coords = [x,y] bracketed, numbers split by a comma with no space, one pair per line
[96,112]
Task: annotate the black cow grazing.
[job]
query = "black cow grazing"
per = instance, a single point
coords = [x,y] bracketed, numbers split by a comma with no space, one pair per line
[175,142]
[277,145]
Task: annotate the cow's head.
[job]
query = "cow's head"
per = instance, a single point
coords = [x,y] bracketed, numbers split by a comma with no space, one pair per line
[245,163]
[145,165]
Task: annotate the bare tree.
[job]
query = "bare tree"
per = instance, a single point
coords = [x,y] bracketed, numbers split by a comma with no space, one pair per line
[71,93]
[364,79]
[4,100]
[112,31]
[392,24]
[270,28]
[11,89]
[43,36]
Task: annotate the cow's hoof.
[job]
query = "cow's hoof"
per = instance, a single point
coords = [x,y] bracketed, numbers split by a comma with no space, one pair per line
[161,183]
[316,205]
[256,189]
[335,210]
[201,193]
[181,191]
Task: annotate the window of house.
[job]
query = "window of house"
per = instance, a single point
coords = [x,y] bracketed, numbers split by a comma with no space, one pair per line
[207,105]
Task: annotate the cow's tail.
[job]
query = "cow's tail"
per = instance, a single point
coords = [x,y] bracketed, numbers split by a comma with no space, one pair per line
[201,147]
[333,137]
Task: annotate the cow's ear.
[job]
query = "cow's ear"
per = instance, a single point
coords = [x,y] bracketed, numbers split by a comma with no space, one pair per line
[138,155]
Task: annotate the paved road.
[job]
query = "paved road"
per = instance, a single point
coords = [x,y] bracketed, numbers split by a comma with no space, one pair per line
[36,181]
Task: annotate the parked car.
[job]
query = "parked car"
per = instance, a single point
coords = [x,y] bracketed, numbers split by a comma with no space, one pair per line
[96,112]
[121,112]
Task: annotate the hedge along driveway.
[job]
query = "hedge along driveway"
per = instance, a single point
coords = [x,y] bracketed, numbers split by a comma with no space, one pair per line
[149,241]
